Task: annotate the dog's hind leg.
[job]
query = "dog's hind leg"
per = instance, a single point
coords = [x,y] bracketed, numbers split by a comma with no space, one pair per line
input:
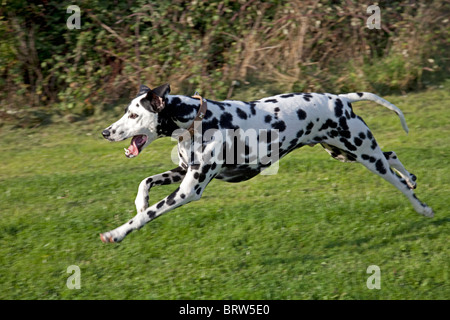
[375,160]
[395,164]
[165,178]
[356,140]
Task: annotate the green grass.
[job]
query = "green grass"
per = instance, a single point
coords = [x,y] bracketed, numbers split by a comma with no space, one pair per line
[309,232]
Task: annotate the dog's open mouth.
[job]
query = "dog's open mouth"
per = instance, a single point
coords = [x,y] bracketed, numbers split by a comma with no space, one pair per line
[137,142]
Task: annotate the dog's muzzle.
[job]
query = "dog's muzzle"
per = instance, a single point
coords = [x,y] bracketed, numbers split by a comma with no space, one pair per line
[106,133]
[137,143]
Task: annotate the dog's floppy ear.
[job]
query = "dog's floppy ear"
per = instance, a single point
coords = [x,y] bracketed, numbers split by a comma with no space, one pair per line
[162,91]
[142,89]
[155,100]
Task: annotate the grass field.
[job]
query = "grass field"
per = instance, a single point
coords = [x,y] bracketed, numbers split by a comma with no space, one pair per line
[309,232]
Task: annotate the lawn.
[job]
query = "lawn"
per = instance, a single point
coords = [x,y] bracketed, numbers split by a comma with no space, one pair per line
[309,232]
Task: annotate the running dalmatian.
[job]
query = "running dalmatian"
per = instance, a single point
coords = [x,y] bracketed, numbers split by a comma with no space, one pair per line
[292,120]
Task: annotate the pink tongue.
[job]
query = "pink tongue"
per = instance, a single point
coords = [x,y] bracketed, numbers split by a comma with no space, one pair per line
[133,149]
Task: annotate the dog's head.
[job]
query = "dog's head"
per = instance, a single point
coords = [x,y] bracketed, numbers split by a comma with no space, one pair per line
[140,120]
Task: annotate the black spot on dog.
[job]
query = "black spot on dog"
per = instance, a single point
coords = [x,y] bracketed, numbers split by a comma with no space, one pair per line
[345,133]
[181,108]
[348,145]
[301,114]
[380,167]
[208,115]
[279,125]
[352,114]
[202,177]
[206,168]
[151,214]
[367,157]
[357,141]
[226,121]
[351,156]
[171,198]
[328,124]
[253,108]
[318,139]
[343,123]
[362,135]
[287,95]
[212,124]
[241,114]
[360,94]
[271,101]
[347,114]
[160,204]
[309,127]
[293,143]
[338,108]
[300,133]
[268,118]
[307,97]
[221,105]
[374,144]
[333,133]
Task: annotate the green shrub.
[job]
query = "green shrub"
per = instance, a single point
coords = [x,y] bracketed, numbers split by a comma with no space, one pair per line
[211,46]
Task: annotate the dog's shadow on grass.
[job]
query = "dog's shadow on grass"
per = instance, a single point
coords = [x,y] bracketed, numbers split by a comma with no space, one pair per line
[401,233]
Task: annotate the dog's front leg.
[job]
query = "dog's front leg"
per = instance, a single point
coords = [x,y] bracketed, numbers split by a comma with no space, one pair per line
[165,178]
[191,188]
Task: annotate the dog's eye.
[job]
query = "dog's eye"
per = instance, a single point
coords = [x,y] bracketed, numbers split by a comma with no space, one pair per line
[133,116]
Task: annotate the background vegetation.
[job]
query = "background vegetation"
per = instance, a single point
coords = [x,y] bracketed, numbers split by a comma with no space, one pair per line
[218,47]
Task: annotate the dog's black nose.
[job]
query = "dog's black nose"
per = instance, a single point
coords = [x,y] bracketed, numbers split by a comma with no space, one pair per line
[106,133]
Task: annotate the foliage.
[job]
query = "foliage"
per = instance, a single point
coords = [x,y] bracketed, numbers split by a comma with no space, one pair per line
[216,47]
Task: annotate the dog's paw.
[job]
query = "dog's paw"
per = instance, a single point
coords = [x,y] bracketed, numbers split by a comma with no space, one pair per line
[427,212]
[108,237]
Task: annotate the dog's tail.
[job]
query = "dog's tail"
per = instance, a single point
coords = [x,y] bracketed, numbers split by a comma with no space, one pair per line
[367,96]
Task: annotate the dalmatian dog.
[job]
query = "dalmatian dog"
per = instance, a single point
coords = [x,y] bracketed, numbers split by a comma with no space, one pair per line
[210,131]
